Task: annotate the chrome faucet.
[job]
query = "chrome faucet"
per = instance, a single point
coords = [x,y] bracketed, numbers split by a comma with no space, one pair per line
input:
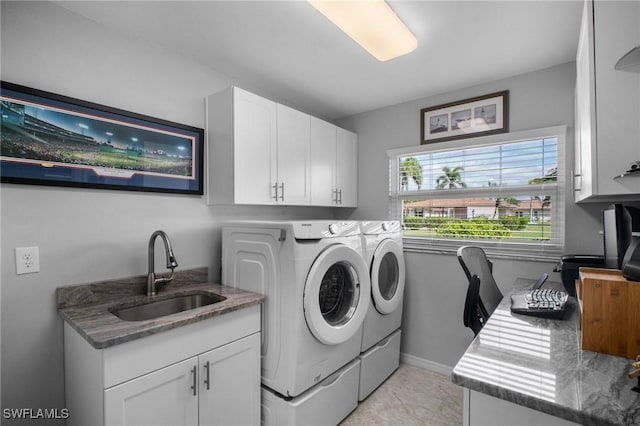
[171,262]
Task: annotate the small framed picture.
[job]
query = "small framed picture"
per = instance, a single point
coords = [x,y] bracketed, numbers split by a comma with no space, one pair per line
[473,117]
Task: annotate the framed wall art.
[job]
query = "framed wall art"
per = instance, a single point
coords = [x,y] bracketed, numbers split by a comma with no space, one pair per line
[50,139]
[473,117]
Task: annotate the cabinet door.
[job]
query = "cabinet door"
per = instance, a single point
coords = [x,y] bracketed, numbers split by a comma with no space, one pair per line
[585,136]
[230,383]
[347,168]
[482,410]
[616,32]
[164,397]
[255,148]
[607,101]
[294,135]
[323,163]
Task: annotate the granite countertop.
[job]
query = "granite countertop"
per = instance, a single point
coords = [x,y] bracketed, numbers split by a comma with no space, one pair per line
[87,307]
[538,363]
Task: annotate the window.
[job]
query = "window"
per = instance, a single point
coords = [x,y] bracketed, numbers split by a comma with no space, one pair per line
[503,192]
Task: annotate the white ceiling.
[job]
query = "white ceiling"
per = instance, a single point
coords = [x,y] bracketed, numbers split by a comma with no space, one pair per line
[291,52]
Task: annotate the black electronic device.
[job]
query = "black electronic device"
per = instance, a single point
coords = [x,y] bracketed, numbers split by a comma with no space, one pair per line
[539,302]
[541,280]
[631,261]
[570,265]
[618,225]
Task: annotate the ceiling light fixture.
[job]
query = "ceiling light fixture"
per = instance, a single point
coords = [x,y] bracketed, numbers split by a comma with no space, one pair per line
[370,23]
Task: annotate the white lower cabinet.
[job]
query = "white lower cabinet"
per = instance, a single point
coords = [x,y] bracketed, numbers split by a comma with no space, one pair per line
[207,373]
[231,384]
[163,397]
[211,389]
[480,409]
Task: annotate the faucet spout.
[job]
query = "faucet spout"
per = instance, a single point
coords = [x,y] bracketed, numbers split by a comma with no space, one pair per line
[171,262]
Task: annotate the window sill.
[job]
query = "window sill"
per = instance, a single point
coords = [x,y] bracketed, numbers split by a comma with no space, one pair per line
[499,249]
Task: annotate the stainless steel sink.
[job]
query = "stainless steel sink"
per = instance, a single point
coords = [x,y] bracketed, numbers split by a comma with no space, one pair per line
[161,308]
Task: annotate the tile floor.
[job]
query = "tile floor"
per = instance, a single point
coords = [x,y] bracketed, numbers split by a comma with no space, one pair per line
[412,396]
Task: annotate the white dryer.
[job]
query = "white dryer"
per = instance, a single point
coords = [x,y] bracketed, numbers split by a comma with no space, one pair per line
[318,292]
[382,241]
[383,252]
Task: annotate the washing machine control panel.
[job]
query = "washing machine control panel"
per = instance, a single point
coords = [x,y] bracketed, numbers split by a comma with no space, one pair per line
[323,229]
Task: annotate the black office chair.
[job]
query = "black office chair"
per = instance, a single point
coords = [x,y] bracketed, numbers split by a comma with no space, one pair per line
[483,294]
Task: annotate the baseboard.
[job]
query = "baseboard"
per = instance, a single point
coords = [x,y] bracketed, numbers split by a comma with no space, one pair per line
[425,363]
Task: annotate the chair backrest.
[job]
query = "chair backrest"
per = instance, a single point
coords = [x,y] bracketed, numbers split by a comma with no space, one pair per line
[474,262]
[473,316]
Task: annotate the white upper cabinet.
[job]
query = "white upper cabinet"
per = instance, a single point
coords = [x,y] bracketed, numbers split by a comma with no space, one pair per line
[347,164]
[323,163]
[333,165]
[607,139]
[242,148]
[254,148]
[292,184]
[262,152]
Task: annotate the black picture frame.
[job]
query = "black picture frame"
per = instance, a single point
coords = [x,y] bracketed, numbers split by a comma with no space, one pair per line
[479,116]
[51,139]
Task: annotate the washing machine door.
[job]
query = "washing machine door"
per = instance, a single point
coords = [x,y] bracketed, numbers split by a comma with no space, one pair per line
[387,276]
[336,294]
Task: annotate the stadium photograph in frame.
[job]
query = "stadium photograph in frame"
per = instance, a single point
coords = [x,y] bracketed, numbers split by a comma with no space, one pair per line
[50,139]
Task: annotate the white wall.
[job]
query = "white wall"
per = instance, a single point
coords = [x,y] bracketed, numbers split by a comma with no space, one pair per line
[436,285]
[89,235]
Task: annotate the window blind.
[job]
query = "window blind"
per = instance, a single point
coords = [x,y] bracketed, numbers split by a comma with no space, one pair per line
[503,191]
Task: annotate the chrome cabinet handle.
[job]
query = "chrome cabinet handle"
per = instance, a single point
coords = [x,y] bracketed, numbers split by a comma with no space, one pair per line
[573,181]
[194,372]
[340,192]
[206,377]
[275,187]
[334,195]
[281,191]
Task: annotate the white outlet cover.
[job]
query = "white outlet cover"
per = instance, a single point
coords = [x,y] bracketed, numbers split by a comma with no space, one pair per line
[27,260]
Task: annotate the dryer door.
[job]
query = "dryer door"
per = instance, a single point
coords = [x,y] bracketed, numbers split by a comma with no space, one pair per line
[336,294]
[387,276]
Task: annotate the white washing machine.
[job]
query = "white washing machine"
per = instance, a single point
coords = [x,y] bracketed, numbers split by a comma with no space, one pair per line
[318,292]
[382,241]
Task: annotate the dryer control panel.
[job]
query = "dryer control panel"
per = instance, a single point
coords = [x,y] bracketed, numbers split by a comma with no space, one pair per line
[377,227]
[315,230]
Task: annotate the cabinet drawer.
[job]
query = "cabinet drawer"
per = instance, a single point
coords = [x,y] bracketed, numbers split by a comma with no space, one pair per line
[378,363]
[338,391]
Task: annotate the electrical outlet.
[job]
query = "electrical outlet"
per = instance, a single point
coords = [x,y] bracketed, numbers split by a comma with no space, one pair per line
[27,260]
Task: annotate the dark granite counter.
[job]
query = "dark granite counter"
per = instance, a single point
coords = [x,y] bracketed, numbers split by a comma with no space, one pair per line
[87,307]
[538,363]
